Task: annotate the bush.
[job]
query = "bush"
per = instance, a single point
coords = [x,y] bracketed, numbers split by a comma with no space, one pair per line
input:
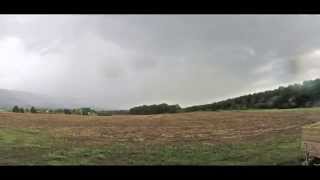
[67,111]
[21,110]
[104,113]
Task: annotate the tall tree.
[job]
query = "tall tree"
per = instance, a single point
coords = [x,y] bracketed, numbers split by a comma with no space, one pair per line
[15,109]
[33,110]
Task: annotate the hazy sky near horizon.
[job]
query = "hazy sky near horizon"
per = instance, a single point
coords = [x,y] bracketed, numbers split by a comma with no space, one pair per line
[119,61]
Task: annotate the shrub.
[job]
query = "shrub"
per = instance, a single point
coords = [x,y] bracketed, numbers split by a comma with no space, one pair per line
[21,110]
[104,113]
[67,111]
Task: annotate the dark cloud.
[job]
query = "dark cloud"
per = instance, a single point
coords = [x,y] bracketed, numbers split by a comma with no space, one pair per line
[122,60]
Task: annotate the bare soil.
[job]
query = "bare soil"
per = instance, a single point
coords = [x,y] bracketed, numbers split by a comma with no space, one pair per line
[204,127]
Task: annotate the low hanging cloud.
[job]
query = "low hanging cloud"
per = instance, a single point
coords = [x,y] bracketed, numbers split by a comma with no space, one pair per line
[118,61]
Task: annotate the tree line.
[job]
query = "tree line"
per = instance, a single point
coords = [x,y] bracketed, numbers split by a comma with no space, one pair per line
[155,109]
[306,94]
[77,111]
[17,109]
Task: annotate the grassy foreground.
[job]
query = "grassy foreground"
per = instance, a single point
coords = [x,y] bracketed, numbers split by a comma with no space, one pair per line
[33,147]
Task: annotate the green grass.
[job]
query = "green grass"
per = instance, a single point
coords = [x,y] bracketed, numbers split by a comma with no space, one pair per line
[22,146]
[32,147]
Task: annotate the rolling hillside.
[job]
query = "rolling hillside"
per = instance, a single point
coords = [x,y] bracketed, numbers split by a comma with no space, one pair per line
[306,94]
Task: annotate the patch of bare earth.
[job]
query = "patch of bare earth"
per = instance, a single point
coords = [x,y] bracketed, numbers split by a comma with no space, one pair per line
[206,127]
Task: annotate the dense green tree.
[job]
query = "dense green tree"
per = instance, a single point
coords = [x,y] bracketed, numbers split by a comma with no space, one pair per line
[21,110]
[33,110]
[15,109]
[155,109]
[306,94]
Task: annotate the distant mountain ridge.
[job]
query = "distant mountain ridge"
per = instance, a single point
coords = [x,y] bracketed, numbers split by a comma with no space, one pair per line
[306,94]
[10,98]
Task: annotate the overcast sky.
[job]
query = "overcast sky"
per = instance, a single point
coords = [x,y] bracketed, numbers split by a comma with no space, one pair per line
[120,61]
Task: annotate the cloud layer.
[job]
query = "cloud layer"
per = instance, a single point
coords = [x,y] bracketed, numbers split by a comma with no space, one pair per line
[118,61]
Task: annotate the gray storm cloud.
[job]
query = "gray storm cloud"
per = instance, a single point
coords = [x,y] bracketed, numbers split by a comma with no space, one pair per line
[118,61]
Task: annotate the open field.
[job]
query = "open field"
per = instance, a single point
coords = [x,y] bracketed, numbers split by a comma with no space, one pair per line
[198,138]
